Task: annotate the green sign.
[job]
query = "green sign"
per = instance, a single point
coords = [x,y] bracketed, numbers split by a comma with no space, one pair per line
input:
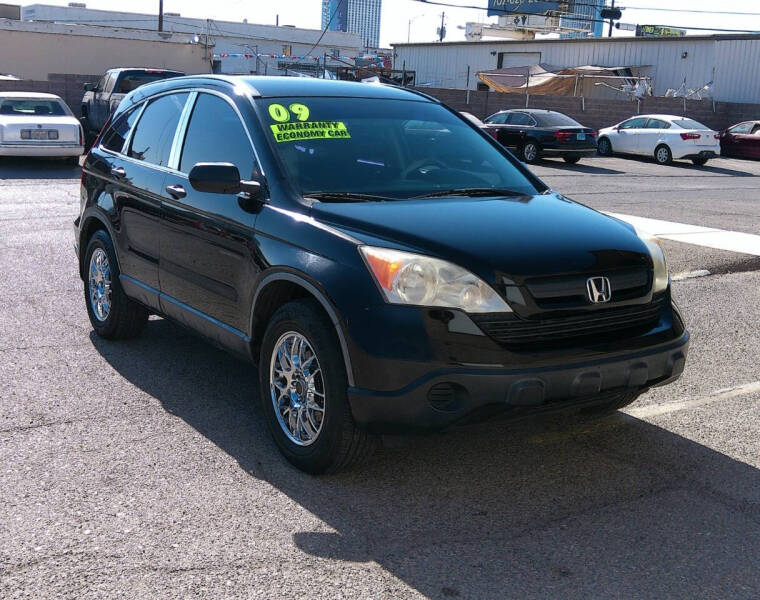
[658,30]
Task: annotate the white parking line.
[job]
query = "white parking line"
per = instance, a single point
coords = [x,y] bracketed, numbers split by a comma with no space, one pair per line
[734,241]
[654,410]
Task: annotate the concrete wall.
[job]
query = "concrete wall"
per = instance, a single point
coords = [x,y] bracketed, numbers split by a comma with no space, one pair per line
[731,61]
[32,51]
[598,113]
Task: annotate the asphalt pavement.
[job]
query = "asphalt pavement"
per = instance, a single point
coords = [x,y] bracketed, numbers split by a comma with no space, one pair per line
[144,469]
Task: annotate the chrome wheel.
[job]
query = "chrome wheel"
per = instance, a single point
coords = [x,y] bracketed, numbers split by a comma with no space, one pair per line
[297,388]
[100,284]
[530,152]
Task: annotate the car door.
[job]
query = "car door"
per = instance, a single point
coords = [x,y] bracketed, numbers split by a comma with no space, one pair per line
[494,124]
[137,172]
[738,140]
[626,136]
[207,250]
[517,128]
[101,97]
[648,137]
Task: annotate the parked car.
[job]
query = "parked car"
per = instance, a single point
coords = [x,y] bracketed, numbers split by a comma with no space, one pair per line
[101,99]
[34,124]
[534,134]
[472,118]
[742,140]
[665,137]
[385,262]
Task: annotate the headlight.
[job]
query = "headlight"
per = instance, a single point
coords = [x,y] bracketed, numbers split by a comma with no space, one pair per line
[413,279]
[661,279]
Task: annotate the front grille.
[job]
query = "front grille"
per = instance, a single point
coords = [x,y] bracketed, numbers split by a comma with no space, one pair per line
[597,326]
[569,291]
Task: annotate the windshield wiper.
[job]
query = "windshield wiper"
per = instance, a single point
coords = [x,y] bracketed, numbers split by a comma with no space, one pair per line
[471,192]
[346,197]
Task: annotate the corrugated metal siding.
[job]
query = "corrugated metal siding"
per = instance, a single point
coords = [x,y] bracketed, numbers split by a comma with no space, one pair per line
[733,64]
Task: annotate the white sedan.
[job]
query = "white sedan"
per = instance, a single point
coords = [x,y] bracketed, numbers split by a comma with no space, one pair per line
[33,124]
[665,137]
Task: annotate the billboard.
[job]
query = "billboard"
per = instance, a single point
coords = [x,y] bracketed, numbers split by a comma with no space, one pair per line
[521,7]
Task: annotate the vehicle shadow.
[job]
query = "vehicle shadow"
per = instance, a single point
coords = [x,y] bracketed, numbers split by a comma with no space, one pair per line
[708,168]
[579,168]
[545,508]
[37,168]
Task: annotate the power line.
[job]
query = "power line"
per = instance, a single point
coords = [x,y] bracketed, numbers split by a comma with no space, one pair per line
[587,19]
[324,31]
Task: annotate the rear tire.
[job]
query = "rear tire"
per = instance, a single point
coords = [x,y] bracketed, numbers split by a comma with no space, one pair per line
[699,162]
[112,314]
[604,147]
[307,411]
[529,153]
[663,155]
[571,160]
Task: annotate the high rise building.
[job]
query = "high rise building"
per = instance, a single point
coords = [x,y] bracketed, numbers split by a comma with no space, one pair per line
[585,15]
[354,16]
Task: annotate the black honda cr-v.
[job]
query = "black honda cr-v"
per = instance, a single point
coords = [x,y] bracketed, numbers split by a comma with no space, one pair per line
[384,262]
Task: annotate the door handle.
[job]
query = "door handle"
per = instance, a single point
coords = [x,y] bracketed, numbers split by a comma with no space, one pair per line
[118,172]
[176,191]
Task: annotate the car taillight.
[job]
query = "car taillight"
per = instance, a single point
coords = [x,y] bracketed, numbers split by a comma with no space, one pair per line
[717,136]
[81,136]
[562,135]
[593,134]
[690,136]
[493,133]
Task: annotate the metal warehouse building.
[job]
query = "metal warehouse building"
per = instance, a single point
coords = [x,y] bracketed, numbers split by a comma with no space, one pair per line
[730,62]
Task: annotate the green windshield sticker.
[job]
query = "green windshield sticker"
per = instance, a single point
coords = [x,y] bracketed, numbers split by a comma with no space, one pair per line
[282,115]
[307,130]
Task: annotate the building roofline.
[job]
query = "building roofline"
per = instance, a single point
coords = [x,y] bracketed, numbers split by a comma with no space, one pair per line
[601,40]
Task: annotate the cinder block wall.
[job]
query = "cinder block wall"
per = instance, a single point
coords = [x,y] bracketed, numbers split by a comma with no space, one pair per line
[598,113]
[67,86]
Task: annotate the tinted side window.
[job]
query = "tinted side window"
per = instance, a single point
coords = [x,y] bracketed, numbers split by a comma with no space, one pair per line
[741,128]
[520,119]
[117,134]
[498,119]
[216,134]
[637,123]
[657,124]
[152,141]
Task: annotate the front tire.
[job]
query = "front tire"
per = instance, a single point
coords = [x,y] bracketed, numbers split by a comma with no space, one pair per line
[663,155]
[604,147]
[112,314]
[303,388]
[529,153]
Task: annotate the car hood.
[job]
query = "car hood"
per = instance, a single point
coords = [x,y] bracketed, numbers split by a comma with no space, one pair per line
[496,238]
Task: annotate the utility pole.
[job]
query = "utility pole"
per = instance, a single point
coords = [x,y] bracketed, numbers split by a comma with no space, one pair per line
[160,15]
[611,20]
[442,30]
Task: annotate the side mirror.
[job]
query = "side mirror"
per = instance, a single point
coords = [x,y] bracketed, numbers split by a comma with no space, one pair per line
[222,178]
[88,87]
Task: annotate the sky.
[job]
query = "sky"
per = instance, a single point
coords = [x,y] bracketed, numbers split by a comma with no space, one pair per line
[425,19]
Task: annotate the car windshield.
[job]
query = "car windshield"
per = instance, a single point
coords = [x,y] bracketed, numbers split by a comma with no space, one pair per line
[556,120]
[689,124]
[132,81]
[392,149]
[32,106]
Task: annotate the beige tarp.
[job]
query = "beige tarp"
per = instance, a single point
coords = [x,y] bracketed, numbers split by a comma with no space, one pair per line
[543,79]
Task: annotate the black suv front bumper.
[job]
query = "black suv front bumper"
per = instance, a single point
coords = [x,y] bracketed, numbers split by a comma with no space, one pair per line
[446,396]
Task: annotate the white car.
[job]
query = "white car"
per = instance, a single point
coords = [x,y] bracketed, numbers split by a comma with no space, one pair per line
[33,124]
[665,137]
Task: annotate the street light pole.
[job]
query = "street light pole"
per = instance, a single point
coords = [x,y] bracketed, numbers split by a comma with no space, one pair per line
[160,15]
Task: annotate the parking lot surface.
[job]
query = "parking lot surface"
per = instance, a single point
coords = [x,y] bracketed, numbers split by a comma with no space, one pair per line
[144,468]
